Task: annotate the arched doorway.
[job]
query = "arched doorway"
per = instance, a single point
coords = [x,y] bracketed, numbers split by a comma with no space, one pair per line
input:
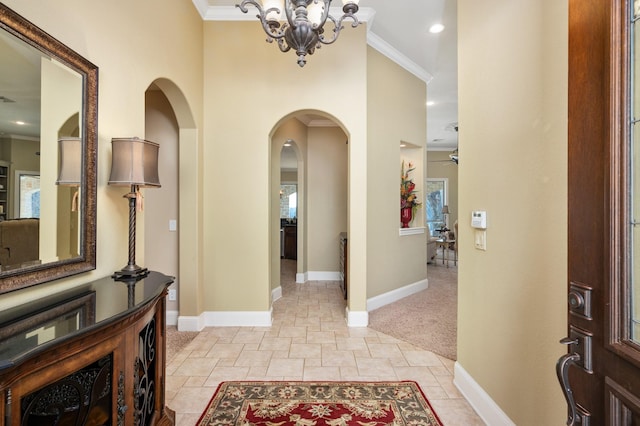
[172,233]
[319,142]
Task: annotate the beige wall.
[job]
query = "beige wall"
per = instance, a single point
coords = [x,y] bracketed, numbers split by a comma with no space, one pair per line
[128,62]
[248,90]
[396,111]
[439,165]
[513,136]
[161,244]
[326,197]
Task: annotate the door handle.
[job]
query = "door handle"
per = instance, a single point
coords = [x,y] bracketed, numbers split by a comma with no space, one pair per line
[562,370]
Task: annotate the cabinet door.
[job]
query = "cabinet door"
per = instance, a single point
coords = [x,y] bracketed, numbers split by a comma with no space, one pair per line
[78,388]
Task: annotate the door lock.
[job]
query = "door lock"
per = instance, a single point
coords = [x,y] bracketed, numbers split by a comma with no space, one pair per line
[580,300]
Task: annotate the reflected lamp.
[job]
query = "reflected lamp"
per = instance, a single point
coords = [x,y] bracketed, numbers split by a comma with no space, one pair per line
[70,165]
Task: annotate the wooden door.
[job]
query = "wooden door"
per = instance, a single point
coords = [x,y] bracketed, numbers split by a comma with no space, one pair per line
[601,372]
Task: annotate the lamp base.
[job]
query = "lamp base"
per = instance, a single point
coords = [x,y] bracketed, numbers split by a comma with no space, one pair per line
[130,273]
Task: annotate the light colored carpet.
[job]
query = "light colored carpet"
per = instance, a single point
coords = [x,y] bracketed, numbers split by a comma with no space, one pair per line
[176,340]
[427,319]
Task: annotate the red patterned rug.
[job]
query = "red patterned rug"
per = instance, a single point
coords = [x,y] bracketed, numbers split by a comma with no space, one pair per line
[319,403]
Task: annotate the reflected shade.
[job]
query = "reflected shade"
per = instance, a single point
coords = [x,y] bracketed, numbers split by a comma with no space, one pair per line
[70,161]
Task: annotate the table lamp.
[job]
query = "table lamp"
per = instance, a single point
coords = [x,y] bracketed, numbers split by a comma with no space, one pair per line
[134,163]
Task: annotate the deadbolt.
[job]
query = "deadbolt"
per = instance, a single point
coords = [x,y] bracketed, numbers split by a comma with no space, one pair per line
[579,299]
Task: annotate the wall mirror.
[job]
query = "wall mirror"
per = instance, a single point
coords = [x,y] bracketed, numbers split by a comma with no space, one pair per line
[48,133]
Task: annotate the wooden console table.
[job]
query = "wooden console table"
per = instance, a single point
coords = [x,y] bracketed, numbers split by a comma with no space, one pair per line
[344,263]
[93,355]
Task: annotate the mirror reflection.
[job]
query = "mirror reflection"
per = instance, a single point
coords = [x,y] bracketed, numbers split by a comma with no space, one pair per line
[40,105]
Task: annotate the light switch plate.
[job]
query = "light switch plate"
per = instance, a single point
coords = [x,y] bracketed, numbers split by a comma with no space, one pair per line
[173,225]
[481,239]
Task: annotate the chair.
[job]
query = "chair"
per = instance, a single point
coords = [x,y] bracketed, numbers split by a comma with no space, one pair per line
[432,249]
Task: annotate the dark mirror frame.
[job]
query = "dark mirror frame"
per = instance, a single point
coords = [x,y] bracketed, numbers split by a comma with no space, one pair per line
[29,33]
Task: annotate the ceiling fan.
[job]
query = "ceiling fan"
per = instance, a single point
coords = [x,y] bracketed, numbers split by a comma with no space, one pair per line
[453,158]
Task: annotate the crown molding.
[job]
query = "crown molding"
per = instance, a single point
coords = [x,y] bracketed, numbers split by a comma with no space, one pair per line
[392,53]
[365,14]
[233,13]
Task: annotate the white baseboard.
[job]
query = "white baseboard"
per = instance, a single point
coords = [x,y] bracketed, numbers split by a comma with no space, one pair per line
[276,294]
[186,323]
[357,318]
[303,277]
[172,318]
[226,319]
[395,295]
[486,407]
[323,276]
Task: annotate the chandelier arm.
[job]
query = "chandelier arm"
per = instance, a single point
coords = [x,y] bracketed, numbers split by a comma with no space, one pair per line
[272,29]
[338,27]
[325,15]
[282,44]
[288,11]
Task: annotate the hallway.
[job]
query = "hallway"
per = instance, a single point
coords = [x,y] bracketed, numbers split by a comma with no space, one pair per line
[309,340]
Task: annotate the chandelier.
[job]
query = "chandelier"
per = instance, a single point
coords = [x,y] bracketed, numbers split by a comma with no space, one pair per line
[303,29]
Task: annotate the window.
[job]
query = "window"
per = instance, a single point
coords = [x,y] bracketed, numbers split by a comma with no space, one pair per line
[28,194]
[436,199]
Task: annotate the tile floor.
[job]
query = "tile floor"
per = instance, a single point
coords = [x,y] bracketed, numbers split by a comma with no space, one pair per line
[309,340]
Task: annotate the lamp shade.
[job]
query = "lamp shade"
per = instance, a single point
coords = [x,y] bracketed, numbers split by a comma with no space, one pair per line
[274,16]
[445,209]
[69,161]
[134,161]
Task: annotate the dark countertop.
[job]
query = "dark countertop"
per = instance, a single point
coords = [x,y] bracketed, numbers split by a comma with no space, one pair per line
[36,326]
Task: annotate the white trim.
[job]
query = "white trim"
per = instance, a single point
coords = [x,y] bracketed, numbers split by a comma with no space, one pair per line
[233,13]
[191,323]
[201,7]
[481,402]
[322,123]
[395,295]
[301,278]
[392,53]
[323,276]
[365,14]
[357,318]
[171,318]
[239,319]
[276,294]
[412,231]
[226,319]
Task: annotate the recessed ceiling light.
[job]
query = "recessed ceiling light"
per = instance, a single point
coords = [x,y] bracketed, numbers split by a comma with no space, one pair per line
[436,28]
[430,103]
[402,145]
[20,123]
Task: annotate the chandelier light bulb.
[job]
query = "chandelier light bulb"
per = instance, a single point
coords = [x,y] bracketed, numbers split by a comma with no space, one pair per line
[314,13]
[273,15]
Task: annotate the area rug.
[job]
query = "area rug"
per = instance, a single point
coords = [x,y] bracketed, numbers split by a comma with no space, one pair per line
[319,403]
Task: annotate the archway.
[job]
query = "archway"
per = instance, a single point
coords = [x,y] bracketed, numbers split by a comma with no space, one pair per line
[170,122]
[320,144]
